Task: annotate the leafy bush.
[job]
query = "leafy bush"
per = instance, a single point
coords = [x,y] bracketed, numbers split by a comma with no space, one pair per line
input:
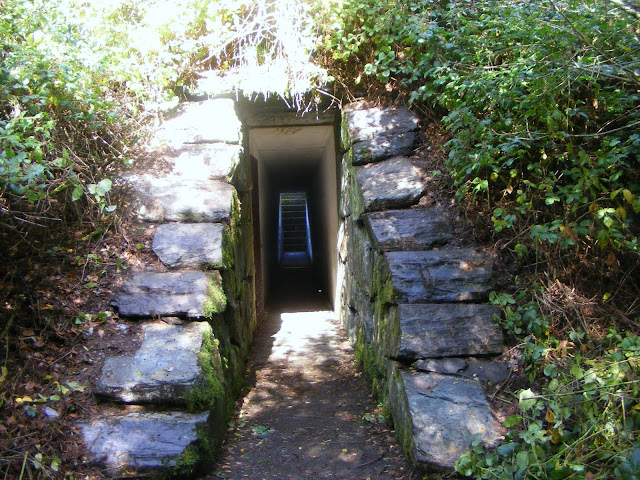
[541,99]
[583,424]
[58,131]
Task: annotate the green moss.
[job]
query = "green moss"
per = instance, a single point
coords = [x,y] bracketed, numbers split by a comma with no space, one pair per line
[344,134]
[196,458]
[211,389]
[355,196]
[217,301]
[228,243]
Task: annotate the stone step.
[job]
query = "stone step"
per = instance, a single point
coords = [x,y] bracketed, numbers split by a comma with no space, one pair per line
[189,245]
[205,160]
[174,365]
[188,294]
[439,416]
[172,198]
[211,121]
[410,230]
[392,183]
[442,330]
[146,441]
[377,133]
[447,276]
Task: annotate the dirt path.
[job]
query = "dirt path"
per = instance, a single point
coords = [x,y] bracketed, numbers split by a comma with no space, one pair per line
[309,413]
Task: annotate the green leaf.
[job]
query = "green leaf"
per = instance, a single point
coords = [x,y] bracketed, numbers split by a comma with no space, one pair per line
[527,399]
[260,430]
[522,460]
[103,187]
[512,420]
[76,386]
[576,371]
[77,193]
[507,449]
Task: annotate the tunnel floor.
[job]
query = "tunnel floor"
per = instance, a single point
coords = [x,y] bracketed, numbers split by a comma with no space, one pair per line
[307,411]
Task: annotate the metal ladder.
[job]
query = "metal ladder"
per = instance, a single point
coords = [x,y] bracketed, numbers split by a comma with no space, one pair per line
[294,237]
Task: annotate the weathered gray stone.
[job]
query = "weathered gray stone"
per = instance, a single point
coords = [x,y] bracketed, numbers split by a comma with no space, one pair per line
[141,440]
[361,255]
[441,416]
[165,369]
[452,275]
[447,366]
[173,198]
[363,121]
[487,371]
[199,122]
[189,245]
[206,160]
[344,207]
[413,229]
[393,183]
[147,294]
[443,330]
[483,370]
[383,146]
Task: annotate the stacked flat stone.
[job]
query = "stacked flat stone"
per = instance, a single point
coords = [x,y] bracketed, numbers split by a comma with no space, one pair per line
[409,299]
[176,374]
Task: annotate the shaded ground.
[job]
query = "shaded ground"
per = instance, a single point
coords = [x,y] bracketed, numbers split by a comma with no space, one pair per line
[308,412]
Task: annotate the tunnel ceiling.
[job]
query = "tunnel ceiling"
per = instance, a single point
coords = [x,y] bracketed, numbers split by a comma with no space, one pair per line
[301,148]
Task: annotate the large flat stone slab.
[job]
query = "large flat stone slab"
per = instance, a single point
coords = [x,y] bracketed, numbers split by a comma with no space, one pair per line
[210,121]
[365,122]
[441,415]
[443,330]
[383,146]
[190,294]
[165,369]
[450,275]
[189,245]
[393,183]
[172,198]
[206,160]
[142,440]
[413,229]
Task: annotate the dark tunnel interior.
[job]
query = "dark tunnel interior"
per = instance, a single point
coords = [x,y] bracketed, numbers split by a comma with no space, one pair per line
[296,160]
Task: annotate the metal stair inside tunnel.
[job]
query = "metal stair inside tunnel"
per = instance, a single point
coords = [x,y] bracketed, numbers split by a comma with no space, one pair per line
[294,237]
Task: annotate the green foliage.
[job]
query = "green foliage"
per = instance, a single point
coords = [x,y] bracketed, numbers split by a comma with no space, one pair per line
[541,100]
[583,424]
[58,132]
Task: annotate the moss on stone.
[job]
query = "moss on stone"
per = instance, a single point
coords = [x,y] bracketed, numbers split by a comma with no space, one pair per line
[345,137]
[228,253]
[356,200]
[196,457]
[217,300]
[211,388]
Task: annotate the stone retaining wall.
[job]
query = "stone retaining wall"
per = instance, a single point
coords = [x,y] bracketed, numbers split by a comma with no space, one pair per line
[409,300]
[197,313]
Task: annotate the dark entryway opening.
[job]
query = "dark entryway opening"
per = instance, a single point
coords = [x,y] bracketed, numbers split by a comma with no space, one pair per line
[298,160]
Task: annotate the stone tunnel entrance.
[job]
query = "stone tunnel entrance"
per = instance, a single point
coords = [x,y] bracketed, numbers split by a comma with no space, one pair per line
[295,160]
